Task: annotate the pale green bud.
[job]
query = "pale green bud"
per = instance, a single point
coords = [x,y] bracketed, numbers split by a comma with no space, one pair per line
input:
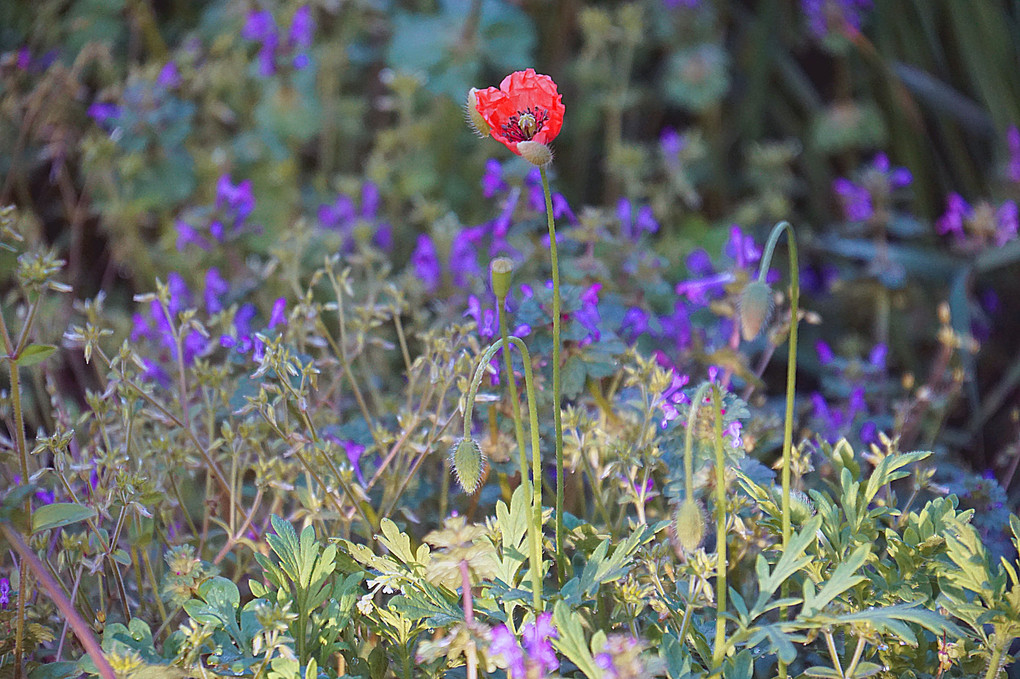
[534,152]
[689,525]
[501,269]
[468,462]
[755,309]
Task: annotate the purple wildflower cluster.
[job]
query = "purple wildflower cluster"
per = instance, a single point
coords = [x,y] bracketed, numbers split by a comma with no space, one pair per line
[834,16]
[5,593]
[674,396]
[863,199]
[226,219]
[154,324]
[834,423]
[278,49]
[144,111]
[634,223]
[977,227]
[344,216]
[533,656]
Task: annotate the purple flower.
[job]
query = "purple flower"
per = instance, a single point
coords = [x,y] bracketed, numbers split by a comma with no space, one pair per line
[742,248]
[1006,223]
[103,113]
[855,198]
[957,210]
[463,260]
[828,16]
[633,226]
[492,180]
[236,198]
[504,644]
[354,452]
[187,235]
[1013,142]
[701,290]
[302,27]
[535,638]
[671,144]
[561,209]
[279,313]
[824,352]
[426,263]
[877,356]
[215,288]
[635,322]
[699,263]
[733,431]
[5,591]
[672,397]
[169,76]
[259,26]
[486,320]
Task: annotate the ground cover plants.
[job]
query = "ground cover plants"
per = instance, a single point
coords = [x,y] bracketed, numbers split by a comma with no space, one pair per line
[697,359]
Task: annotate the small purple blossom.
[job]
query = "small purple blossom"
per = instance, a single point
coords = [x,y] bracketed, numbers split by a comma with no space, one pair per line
[492,180]
[103,112]
[671,144]
[215,288]
[278,316]
[426,263]
[825,355]
[672,397]
[1013,144]
[274,49]
[354,452]
[631,225]
[169,76]
[733,431]
[5,592]
[855,198]
[534,655]
[834,16]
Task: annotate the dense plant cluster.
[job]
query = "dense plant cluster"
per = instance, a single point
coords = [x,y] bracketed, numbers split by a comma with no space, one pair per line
[707,368]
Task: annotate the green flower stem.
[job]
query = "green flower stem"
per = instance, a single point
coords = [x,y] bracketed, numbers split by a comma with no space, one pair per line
[995,664]
[791,377]
[535,525]
[719,650]
[66,608]
[557,387]
[515,403]
[791,365]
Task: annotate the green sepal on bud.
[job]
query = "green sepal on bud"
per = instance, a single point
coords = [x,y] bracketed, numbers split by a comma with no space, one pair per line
[536,153]
[755,309]
[689,525]
[501,269]
[468,462]
[474,119]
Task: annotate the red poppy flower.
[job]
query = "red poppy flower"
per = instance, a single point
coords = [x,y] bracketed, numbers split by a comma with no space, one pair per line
[526,107]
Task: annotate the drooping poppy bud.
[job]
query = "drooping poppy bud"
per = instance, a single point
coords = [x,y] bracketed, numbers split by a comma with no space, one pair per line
[526,107]
[468,462]
[689,525]
[755,309]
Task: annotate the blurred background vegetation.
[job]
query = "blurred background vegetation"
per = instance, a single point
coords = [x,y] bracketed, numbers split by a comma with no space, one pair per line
[119,117]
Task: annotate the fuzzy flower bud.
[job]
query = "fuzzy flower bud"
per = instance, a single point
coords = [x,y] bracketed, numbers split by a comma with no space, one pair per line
[536,153]
[468,462]
[474,118]
[501,269]
[755,309]
[689,525]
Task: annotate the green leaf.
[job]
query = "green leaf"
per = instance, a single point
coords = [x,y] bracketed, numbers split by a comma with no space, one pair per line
[839,581]
[571,641]
[821,671]
[791,561]
[55,670]
[34,353]
[886,471]
[59,514]
[867,669]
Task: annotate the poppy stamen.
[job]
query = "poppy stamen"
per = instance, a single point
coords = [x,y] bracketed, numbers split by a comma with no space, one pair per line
[524,125]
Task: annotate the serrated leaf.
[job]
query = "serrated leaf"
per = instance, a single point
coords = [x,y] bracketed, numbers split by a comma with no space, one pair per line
[571,642]
[59,514]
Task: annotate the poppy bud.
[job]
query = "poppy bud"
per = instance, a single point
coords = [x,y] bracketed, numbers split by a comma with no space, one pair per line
[468,463]
[755,308]
[534,152]
[689,525]
[474,118]
[501,269]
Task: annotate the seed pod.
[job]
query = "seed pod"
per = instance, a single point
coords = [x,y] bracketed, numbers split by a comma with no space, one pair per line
[501,269]
[755,309]
[689,525]
[474,118]
[534,152]
[468,464]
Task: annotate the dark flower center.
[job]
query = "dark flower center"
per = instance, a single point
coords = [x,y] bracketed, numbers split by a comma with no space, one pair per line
[525,124]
